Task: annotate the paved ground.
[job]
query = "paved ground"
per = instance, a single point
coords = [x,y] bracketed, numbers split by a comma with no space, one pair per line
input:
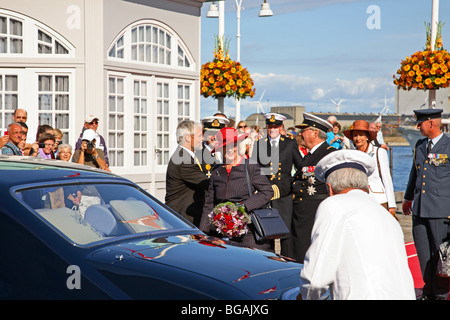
[406,223]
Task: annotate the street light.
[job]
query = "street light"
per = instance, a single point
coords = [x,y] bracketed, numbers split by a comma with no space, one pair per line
[265,11]
[213,11]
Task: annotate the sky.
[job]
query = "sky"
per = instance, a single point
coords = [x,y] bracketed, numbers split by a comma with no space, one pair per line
[312,51]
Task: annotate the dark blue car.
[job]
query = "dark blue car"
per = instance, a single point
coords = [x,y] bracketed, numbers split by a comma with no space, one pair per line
[71,232]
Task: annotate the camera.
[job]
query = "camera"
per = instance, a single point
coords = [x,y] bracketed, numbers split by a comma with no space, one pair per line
[41,145]
[90,146]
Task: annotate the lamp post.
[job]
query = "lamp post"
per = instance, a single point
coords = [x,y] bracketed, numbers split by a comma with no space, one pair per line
[265,11]
[434,24]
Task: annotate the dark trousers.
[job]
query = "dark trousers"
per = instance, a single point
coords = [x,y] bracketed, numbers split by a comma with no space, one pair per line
[303,216]
[284,207]
[428,235]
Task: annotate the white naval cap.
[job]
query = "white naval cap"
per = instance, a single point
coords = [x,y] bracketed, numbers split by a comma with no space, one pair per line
[214,123]
[274,118]
[310,120]
[344,159]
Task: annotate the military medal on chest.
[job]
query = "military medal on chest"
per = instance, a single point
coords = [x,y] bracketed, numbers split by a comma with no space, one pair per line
[437,159]
[208,167]
[308,175]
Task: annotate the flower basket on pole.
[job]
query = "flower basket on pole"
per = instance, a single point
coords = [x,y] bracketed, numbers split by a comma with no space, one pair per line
[224,77]
[427,69]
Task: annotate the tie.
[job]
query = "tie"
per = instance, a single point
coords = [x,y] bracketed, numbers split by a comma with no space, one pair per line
[429,146]
[273,143]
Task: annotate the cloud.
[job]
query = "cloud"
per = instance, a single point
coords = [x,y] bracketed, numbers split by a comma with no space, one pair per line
[360,94]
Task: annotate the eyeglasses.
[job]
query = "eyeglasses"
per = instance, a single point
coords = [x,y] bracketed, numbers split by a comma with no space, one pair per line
[306,129]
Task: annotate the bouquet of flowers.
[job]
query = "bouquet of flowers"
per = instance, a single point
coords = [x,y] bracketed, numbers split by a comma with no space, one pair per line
[229,219]
[428,69]
[224,77]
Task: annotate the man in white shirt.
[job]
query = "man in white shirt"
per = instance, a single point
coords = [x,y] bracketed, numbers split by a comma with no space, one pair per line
[357,248]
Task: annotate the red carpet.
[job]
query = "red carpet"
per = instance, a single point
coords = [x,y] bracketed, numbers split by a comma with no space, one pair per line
[414,266]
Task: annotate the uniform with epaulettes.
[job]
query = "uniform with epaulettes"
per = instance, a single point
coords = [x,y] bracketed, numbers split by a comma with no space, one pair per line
[307,191]
[429,189]
[276,163]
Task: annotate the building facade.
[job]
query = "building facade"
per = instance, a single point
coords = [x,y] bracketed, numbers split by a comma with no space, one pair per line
[134,64]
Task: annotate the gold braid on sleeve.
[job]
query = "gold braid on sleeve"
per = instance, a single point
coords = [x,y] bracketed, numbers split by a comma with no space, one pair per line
[276,192]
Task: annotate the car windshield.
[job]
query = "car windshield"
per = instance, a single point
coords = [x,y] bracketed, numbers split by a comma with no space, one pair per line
[87,213]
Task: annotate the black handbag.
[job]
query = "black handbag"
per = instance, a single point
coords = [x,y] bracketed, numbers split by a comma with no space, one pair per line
[267,221]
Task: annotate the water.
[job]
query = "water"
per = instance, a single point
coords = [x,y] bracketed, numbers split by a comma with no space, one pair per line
[402,163]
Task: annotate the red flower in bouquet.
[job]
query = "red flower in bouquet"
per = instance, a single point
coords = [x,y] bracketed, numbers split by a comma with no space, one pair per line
[229,219]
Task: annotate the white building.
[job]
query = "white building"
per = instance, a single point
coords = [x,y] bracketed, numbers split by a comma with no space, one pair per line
[134,64]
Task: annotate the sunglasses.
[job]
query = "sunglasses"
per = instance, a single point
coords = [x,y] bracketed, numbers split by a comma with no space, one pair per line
[93,122]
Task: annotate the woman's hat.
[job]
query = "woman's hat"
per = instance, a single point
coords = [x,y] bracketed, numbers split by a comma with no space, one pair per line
[228,135]
[361,125]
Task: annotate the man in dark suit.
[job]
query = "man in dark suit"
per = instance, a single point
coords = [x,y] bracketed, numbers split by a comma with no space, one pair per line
[308,192]
[427,197]
[185,181]
[276,154]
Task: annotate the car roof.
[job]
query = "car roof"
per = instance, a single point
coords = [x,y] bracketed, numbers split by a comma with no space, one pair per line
[18,170]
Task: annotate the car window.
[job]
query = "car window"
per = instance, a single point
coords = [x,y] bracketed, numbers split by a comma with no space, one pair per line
[86,213]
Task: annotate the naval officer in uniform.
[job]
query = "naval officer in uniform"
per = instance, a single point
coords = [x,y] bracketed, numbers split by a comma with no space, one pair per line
[308,191]
[277,154]
[427,198]
[211,127]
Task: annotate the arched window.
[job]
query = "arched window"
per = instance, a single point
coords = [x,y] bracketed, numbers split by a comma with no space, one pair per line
[47,93]
[151,42]
[21,35]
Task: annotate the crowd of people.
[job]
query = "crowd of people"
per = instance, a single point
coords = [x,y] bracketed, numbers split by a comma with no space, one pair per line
[332,188]
[90,148]
[341,217]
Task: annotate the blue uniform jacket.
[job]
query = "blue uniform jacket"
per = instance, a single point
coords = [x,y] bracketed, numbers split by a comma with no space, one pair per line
[429,180]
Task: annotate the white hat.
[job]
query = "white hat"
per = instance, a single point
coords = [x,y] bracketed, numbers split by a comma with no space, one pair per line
[274,118]
[90,118]
[89,135]
[214,123]
[311,120]
[344,159]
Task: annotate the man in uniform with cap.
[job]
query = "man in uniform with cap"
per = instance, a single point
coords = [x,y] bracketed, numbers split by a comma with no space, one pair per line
[427,198]
[211,127]
[357,249]
[308,192]
[276,154]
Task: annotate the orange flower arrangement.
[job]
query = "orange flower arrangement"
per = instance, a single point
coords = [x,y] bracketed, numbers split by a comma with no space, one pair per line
[224,77]
[428,69]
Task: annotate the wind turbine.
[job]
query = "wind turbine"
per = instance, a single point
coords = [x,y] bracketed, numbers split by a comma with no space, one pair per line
[385,109]
[338,105]
[259,108]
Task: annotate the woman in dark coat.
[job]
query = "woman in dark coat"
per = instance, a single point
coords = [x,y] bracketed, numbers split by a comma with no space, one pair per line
[228,183]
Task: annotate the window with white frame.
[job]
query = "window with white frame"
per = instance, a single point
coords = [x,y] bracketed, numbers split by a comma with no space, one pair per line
[49,45]
[140,125]
[54,101]
[116,121]
[162,122]
[11,35]
[9,95]
[22,35]
[151,42]
[184,102]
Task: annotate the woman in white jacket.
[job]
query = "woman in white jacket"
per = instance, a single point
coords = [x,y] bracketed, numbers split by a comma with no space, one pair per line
[380,182]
